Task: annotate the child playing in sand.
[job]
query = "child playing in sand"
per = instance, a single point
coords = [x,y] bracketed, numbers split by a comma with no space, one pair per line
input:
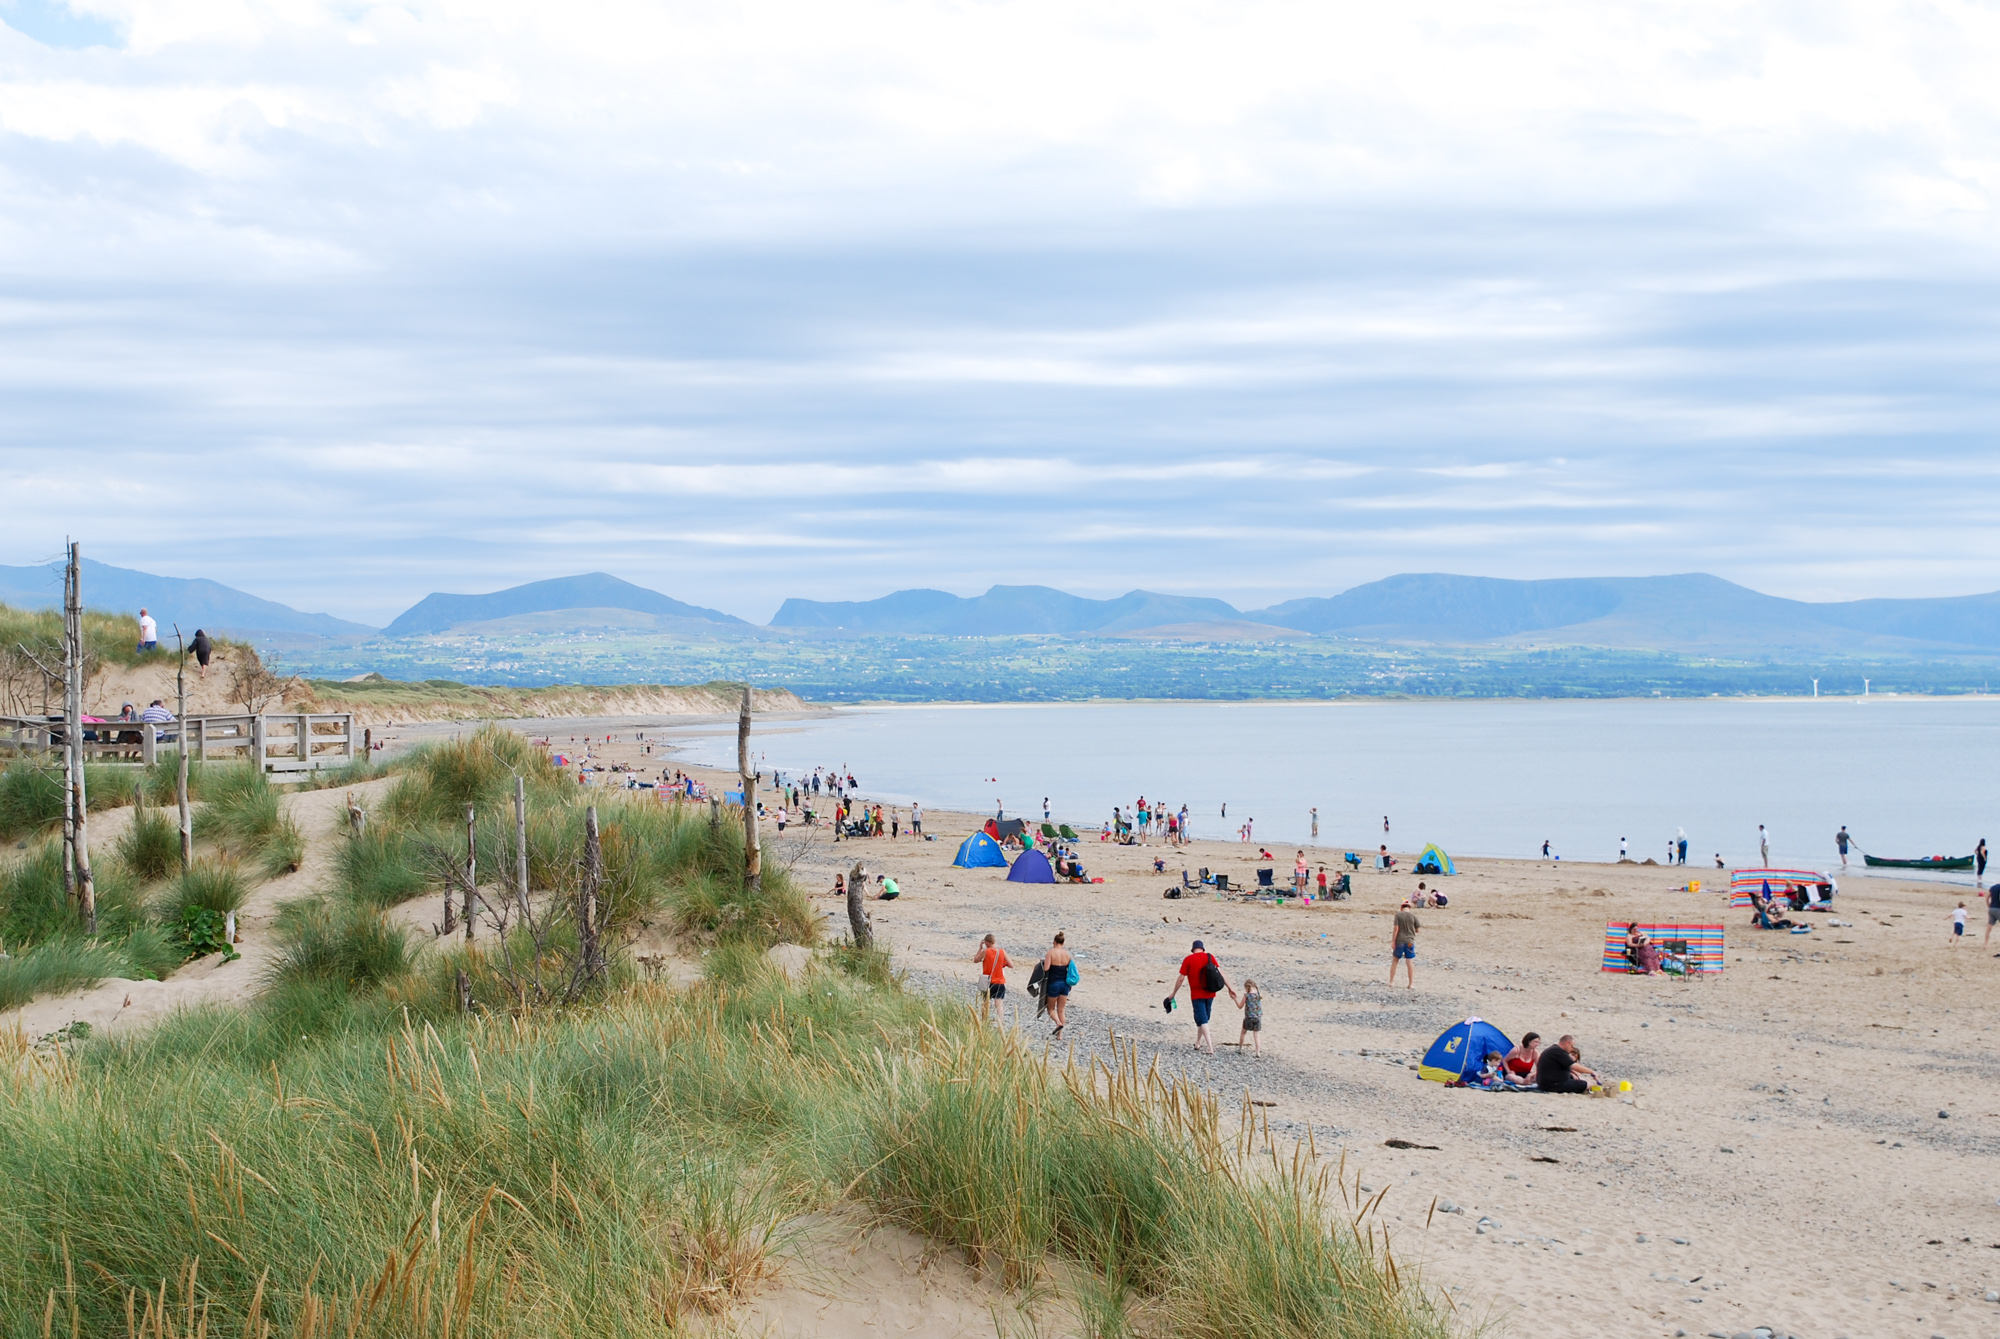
[1958,923]
[1252,1001]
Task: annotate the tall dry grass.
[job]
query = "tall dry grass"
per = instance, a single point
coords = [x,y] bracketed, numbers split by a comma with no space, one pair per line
[627,1168]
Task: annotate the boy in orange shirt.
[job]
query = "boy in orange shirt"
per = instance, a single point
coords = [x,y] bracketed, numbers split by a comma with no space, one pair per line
[993,964]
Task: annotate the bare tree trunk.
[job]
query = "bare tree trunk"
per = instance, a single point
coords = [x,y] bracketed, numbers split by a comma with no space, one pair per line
[857,914]
[471,870]
[753,856]
[590,951]
[86,887]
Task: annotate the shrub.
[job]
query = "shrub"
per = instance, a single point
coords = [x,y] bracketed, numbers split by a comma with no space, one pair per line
[210,885]
[57,965]
[240,809]
[151,847]
[353,947]
[379,868]
[31,798]
[284,849]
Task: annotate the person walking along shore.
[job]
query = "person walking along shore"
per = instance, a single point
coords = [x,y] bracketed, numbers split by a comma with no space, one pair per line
[1058,976]
[1202,975]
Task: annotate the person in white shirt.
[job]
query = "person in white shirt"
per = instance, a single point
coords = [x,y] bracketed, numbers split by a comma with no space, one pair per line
[149,632]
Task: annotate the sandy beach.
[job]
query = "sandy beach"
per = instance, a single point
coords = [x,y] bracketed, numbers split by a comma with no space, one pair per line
[1809,1145]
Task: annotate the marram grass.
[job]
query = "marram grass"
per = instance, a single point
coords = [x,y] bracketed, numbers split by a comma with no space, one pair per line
[630,1167]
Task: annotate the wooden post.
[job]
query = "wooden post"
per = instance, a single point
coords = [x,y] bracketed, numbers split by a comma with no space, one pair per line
[149,745]
[590,952]
[471,870]
[86,887]
[367,740]
[857,914]
[305,741]
[753,856]
[181,761]
[521,846]
[257,744]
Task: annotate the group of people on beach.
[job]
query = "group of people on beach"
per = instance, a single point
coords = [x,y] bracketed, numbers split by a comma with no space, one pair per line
[1530,1067]
[1139,824]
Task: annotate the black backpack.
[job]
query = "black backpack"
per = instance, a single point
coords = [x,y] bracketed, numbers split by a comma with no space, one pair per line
[1211,976]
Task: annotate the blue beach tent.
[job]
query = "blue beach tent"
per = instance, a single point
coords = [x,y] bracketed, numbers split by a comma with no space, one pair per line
[1461,1049]
[1434,861]
[1031,866]
[980,851]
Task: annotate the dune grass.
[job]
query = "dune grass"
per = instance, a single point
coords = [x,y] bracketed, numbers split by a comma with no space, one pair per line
[151,847]
[626,1168]
[31,794]
[45,938]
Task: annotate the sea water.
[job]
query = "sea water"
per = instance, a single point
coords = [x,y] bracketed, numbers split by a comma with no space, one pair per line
[1907,776]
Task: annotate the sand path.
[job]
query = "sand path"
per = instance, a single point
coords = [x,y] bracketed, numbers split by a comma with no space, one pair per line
[118,1006]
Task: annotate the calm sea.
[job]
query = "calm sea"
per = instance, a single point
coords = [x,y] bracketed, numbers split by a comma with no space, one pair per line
[1908,776]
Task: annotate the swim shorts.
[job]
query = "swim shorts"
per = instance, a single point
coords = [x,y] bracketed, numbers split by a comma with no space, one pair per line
[996,990]
[1406,951]
[1202,1009]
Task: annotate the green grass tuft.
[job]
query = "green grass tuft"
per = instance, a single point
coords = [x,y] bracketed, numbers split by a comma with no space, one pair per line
[211,885]
[151,847]
[349,946]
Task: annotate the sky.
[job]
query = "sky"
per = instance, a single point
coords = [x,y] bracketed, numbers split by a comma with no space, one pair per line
[343,303]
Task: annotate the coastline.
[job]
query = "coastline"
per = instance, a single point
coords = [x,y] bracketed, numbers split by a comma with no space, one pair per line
[1755,1106]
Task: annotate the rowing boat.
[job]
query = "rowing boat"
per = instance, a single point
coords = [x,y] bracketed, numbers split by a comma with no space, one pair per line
[1928,862]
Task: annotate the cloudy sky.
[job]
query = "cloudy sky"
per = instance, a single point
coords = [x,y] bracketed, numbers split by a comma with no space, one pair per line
[345,302]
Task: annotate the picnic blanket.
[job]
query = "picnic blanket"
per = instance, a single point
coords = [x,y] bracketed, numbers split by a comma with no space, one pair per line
[1704,944]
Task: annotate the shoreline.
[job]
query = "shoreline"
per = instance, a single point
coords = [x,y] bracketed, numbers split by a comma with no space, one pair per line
[1752,1106]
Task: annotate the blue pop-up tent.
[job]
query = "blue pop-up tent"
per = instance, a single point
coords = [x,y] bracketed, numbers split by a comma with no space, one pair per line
[980,851]
[1434,861]
[1461,1049]
[1031,866]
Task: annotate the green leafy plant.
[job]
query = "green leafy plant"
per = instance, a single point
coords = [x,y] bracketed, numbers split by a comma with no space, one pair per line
[203,931]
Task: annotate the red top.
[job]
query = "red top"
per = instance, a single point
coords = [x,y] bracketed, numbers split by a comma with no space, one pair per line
[1191,967]
[993,965]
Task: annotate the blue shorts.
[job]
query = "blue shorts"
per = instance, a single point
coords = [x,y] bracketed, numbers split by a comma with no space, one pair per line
[1055,987]
[1405,951]
[1957,927]
[1202,1009]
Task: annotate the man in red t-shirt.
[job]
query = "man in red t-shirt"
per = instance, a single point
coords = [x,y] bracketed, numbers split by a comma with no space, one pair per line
[993,964]
[1193,968]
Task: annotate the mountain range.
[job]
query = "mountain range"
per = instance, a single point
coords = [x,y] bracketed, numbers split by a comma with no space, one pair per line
[192,602]
[1692,612]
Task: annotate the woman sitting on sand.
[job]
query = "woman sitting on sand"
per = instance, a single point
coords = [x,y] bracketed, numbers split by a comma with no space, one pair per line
[1521,1060]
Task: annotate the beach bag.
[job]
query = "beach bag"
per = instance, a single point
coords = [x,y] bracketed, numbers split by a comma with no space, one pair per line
[1211,976]
[1070,971]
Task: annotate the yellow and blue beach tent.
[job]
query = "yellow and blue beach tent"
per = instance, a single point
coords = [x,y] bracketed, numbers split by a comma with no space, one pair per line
[1461,1049]
[1434,861]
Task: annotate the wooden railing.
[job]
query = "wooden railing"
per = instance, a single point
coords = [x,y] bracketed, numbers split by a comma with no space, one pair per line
[279,742]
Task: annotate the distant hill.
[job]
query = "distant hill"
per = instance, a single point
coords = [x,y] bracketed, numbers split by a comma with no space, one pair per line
[594,591]
[1685,612]
[1003,611]
[192,603]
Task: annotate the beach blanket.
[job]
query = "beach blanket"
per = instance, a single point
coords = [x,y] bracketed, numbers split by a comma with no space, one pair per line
[1704,944]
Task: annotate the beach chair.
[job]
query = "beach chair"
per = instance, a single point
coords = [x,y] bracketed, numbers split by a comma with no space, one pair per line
[1049,833]
[1068,833]
[1264,878]
[1205,876]
[1186,882]
[1222,883]
[1353,860]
